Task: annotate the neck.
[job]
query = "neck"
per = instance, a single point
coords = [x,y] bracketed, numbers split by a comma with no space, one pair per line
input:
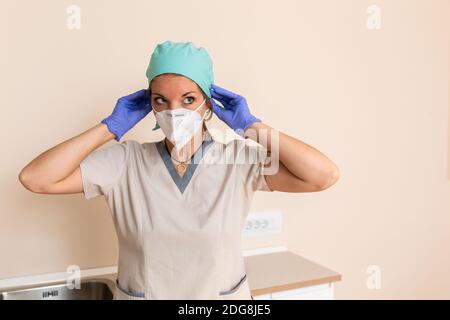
[188,150]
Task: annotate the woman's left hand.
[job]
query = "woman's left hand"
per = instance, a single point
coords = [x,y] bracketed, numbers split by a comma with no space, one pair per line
[236,113]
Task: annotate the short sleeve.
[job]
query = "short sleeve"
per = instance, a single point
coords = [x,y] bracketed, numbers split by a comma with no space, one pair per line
[251,160]
[102,168]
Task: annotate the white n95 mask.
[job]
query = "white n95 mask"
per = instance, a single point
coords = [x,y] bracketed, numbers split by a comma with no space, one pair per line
[179,125]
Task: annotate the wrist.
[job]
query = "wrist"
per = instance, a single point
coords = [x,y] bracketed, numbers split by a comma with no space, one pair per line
[251,122]
[248,124]
[111,132]
[105,133]
[253,128]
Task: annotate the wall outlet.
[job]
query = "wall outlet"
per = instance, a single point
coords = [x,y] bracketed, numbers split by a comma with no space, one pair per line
[262,223]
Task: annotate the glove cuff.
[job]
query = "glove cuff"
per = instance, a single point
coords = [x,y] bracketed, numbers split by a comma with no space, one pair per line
[248,123]
[110,124]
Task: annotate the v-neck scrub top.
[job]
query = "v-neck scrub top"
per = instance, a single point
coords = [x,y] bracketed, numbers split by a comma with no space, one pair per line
[179,237]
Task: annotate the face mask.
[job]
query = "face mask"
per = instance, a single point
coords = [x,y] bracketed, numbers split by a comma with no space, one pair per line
[179,125]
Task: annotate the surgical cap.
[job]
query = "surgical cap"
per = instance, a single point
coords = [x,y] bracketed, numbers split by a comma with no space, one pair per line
[185,59]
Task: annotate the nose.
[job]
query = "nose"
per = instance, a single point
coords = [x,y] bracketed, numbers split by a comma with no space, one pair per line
[168,106]
[174,105]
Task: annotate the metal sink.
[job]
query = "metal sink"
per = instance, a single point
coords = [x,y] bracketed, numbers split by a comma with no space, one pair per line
[90,289]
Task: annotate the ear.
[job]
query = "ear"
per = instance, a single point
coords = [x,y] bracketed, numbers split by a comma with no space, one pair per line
[208,103]
[210,109]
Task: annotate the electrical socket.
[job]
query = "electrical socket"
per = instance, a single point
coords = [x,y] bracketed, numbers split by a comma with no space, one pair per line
[262,223]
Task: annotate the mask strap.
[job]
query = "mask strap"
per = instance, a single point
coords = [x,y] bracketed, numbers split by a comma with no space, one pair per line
[203,117]
[200,105]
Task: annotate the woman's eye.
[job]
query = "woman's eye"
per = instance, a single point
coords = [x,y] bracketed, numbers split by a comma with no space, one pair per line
[189,100]
[158,100]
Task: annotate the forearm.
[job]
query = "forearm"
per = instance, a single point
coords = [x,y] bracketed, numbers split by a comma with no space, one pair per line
[61,160]
[302,160]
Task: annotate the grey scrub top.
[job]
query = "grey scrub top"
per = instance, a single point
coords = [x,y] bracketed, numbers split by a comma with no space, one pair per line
[179,237]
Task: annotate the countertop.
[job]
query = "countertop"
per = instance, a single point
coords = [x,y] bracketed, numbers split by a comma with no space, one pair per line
[280,271]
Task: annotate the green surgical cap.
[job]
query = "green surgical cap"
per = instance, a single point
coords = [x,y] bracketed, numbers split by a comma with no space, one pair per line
[185,59]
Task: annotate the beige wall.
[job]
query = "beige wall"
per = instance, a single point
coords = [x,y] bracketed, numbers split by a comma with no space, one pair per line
[375,101]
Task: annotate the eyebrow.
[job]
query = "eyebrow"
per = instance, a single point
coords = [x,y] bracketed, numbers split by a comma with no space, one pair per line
[182,95]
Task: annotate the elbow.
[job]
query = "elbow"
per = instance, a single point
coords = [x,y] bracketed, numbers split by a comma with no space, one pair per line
[24,179]
[331,179]
[27,182]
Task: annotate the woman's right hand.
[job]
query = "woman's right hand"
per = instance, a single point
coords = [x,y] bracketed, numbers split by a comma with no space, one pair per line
[128,111]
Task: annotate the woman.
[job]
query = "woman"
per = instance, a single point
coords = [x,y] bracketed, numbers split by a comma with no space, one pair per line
[179,204]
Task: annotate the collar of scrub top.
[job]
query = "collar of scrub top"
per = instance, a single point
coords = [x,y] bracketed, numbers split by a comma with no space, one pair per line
[182,182]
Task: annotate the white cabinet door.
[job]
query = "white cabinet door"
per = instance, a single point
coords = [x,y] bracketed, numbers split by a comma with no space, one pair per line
[263,297]
[318,292]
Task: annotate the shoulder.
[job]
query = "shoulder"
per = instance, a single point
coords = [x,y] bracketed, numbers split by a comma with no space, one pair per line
[239,151]
[139,152]
[136,146]
[117,151]
[246,147]
[131,143]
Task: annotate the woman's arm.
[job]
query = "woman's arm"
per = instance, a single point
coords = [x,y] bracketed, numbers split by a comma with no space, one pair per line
[57,170]
[302,168]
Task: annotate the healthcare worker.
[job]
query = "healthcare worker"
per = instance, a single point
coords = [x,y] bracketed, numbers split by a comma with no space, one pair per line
[179,204]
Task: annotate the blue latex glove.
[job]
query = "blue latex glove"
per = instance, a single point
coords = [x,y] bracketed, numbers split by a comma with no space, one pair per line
[128,111]
[236,113]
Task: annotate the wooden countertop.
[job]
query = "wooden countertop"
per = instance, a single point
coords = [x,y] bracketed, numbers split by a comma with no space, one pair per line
[280,271]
